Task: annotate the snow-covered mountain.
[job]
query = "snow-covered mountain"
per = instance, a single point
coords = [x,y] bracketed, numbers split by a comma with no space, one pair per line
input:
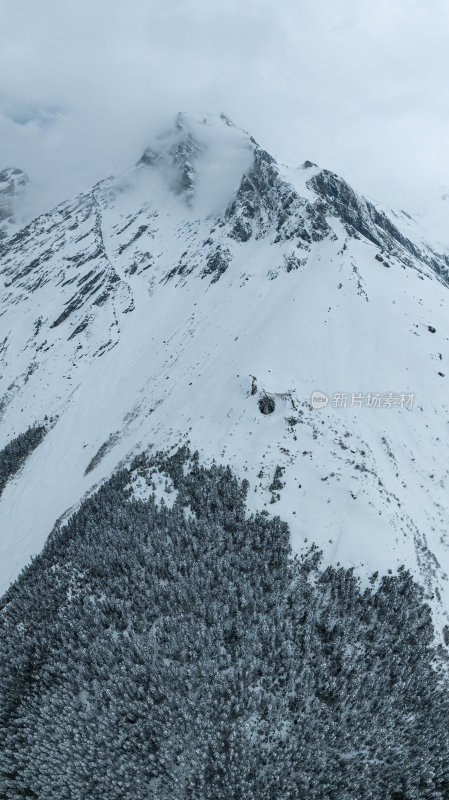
[203,296]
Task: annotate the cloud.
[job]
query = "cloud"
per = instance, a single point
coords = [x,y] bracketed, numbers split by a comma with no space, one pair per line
[22,113]
[355,86]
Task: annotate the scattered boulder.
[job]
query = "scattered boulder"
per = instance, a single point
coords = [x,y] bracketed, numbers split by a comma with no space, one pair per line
[266,405]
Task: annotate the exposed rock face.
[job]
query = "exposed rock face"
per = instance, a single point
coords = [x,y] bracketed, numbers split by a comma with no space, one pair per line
[361,217]
[180,158]
[266,405]
[266,201]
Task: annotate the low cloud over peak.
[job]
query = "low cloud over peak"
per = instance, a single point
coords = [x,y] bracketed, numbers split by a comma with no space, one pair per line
[355,88]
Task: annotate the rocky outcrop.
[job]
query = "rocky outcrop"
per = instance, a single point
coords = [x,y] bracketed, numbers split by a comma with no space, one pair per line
[13,183]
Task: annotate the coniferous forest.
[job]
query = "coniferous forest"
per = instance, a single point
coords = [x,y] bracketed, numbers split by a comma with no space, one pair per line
[179,651]
[14,455]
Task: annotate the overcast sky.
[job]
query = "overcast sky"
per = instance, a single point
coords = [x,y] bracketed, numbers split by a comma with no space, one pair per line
[359,86]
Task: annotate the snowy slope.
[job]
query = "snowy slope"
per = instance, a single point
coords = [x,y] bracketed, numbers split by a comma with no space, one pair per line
[163,305]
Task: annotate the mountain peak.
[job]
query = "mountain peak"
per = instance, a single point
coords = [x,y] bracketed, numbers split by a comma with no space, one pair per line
[13,174]
[201,158]
[188,128]
[186,120]
[13,182]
